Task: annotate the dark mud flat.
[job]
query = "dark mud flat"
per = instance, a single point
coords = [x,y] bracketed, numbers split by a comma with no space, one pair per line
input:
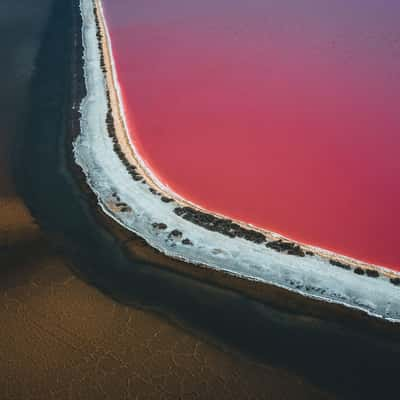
[357,358]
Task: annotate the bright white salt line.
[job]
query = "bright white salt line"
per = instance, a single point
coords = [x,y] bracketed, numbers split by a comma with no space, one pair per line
[310,276]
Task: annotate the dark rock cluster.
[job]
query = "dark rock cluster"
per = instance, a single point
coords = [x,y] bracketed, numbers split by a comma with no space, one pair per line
[99,37]
[359,271]
[340,264]
[132,170]
[166,199]
[395,281]
[116,197]
[175,234]
[154,191]
[159,225]
[220,225]
[123,207]
[372,273]
[286,247]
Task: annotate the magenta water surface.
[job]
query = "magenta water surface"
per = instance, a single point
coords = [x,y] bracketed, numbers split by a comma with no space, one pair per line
[284,114]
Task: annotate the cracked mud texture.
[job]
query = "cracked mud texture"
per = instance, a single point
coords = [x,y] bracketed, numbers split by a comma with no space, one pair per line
[66,340]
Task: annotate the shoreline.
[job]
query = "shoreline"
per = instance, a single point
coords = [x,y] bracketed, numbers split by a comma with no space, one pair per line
[131,154]
[115,206]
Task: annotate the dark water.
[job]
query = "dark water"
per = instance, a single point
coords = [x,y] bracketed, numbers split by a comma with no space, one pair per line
[21,25]
[338,358]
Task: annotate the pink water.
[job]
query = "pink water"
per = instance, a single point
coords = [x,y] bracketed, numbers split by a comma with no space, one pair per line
[281,113]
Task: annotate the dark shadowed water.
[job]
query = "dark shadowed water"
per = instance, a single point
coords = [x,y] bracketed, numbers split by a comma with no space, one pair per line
[21,25]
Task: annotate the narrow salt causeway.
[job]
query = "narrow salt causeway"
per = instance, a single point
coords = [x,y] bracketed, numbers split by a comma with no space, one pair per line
[130,193]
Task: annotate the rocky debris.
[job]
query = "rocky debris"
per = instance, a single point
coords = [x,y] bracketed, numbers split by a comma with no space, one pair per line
[123,207]
[160,225]
[372,273]
[116,197]
[297,251]
[309,253]
[395,281]
[152,190]
[340,264]
[224,226]
[286,247]
[359,271]
[131,168]
[166,199]
[175,234]
[179,211]
[187,242]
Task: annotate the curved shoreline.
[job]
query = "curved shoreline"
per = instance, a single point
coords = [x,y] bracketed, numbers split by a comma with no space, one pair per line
[132,155]
[325,282]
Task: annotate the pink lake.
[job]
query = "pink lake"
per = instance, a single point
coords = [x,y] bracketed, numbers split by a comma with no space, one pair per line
[284,114]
